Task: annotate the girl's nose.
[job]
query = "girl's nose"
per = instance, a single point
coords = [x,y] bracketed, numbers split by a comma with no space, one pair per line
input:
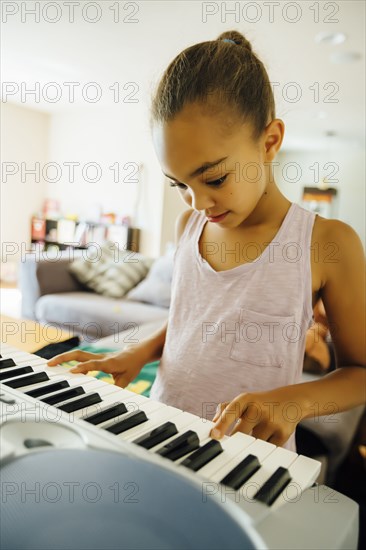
[201,201]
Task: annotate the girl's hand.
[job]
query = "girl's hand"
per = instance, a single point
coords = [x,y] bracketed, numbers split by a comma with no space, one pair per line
[264,415]
[124,367]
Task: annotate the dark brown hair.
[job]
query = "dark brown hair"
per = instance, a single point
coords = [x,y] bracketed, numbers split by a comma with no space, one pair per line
[219,71]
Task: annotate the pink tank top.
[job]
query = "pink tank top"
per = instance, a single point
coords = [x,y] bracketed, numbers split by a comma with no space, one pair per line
[239,330]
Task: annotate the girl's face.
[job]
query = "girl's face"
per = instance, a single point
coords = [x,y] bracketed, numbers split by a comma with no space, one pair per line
[213,161]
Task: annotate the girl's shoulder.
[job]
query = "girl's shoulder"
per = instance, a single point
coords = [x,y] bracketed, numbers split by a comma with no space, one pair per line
[335,245]
[329,232]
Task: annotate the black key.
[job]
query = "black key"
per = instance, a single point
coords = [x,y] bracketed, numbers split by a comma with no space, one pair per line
[133,419]
[158,435]
[203,455]
[78,404]
[15,372]
[273,486]
[27,380]
[48,388]
[63,395]
[242,472]
[180,446]
[107,414]
[6,363]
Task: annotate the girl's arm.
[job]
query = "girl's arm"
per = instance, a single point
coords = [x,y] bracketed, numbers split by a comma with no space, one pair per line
[343,295]
[273,415]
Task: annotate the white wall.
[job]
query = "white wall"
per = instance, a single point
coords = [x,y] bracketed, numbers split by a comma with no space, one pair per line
[107,138]
[24,140]
[350,165]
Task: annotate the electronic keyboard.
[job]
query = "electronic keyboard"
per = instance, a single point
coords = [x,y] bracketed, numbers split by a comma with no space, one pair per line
[267,492]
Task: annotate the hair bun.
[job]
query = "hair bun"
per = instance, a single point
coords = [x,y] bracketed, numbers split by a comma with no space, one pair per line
[236,37]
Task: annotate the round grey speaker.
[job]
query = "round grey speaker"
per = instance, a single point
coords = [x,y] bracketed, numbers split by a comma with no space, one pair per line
[76,499]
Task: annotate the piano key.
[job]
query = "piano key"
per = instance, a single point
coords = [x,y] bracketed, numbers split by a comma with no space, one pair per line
[14,373]
[259,448]
[202,428]
[303,472]
[131,420]
[48,388]
[39,367]
[107,414]
[52,371]
[90,386]
[183,422]
[27,380]
[279,457]
[73,380]
[77,404]
[27,359]
[233,446]
[180,446]
[132,401]
[274,486]
[155,417]
[6,363]
[64,395]
[203,455]
[157,435]
[242,472]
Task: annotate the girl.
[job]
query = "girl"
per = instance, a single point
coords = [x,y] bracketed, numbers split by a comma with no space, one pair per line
[249,264]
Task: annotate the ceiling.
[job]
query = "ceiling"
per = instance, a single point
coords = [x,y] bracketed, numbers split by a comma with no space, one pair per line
[314,94]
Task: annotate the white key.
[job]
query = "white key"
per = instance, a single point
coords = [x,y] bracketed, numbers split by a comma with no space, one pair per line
[279,457]
[304,472]
[8,352]
[261,449]
[232,446]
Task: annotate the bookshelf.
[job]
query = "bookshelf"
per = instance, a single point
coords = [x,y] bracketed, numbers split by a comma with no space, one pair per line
[63,234]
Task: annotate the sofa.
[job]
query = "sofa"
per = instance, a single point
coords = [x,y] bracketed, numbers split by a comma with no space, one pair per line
[51,294]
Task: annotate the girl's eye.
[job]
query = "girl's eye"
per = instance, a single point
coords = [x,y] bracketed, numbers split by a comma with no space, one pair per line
[180,185]
[215,183]
[218,182]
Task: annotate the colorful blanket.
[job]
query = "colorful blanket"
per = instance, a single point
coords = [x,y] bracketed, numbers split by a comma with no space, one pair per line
[140,385]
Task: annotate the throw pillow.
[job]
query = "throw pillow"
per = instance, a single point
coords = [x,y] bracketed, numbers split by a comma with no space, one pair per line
[156,287]
[110,271]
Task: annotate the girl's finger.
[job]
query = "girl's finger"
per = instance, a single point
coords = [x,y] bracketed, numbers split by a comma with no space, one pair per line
[219,409]
[230,414]
[76,355]
[104,365]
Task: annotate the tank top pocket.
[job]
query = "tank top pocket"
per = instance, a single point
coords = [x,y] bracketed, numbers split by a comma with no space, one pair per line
[264,339]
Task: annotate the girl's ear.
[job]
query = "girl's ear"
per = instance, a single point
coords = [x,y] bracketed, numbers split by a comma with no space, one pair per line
[273,138]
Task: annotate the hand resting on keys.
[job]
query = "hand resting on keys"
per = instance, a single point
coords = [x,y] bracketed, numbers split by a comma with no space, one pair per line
[124,367]
[271,416]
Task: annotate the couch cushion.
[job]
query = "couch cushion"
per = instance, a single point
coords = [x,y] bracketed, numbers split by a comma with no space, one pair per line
[94,316]
[110,271]
[156,287]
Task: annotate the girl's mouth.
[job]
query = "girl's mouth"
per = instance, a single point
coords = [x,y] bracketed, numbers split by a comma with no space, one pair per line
[217,218]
